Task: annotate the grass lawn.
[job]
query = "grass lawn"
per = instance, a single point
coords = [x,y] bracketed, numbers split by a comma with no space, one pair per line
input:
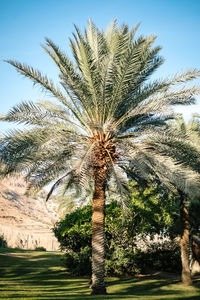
[39,275]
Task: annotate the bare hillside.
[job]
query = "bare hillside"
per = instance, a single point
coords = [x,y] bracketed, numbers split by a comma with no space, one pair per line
[26,222]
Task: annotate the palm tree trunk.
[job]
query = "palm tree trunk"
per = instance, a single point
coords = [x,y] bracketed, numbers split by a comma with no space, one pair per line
[185,240]
[98,232]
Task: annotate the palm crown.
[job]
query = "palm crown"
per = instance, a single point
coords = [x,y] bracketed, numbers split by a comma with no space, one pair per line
[107,115]
[107,108]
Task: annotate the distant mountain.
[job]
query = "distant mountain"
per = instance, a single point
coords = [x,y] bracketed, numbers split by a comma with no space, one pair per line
[26,222]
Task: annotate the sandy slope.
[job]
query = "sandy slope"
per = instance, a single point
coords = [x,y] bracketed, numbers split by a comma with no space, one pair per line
[26,222]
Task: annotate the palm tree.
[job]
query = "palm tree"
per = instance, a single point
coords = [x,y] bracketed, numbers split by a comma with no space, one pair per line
[182,179]
[105,109]
[192,132]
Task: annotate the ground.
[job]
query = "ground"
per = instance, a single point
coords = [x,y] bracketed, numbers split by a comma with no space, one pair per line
[39,275]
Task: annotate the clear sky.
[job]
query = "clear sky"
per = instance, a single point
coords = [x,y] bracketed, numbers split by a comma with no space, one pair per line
[25,23]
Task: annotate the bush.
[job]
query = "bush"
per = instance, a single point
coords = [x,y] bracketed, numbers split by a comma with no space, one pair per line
[121,256]
[122,262]
[75,231]
[40,249]
[163,257]
[3,243]
[79,263]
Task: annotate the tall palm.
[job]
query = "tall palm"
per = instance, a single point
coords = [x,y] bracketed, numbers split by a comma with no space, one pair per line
[107,108]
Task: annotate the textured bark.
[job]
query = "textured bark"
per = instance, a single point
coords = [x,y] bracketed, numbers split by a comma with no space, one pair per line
[185,241]
[195,268]
[98,232]
[195,249]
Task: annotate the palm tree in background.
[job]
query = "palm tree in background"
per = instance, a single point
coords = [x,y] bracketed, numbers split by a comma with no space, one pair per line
[182,178]
[188,197]
[105,110]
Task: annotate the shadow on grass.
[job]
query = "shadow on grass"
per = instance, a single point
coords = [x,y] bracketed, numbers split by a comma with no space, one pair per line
[36,275]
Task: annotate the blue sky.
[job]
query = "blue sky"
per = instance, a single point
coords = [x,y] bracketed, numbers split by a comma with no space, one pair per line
[25,23]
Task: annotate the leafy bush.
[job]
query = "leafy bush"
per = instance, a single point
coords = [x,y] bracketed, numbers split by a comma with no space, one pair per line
[75,231]
[3,243]
[40,249]
[121,255]
[159,258]
[122,262]
[162,257]
[79,263]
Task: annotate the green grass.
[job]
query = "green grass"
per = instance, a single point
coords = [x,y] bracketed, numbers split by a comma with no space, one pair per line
[39,275]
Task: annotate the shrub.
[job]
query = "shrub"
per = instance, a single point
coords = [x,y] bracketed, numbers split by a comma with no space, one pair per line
[40,249]
[75,231]
[79,263]
[121,255]
[162,257]
[122,262]
[3,242]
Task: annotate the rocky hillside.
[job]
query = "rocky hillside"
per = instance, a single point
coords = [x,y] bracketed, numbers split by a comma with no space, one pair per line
[26,222]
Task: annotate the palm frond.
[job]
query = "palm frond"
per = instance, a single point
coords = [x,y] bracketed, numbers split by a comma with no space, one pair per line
[43,81]
[108,115]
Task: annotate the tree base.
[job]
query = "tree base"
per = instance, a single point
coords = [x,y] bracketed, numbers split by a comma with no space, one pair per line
[186,278]
[187,282]
[98,291]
